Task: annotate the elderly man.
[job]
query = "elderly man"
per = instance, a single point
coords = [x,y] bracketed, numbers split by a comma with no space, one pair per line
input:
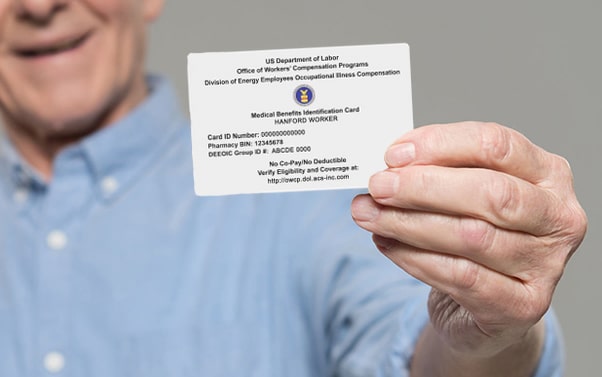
[110,266]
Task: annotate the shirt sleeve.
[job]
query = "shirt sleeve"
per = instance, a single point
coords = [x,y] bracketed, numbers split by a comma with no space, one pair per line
[371,312]
[372,317]
[553,359]
[368,312]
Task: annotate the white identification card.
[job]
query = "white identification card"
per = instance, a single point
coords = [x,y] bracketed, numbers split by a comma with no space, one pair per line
[297,119]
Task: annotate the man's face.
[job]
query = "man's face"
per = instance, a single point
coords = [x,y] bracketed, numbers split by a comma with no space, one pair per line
[68,67]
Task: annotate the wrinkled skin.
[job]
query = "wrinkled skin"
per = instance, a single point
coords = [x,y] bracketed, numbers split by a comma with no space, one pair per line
[486,218]
[69,68]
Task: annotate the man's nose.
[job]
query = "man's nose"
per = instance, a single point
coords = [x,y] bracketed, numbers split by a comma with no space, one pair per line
[38,10]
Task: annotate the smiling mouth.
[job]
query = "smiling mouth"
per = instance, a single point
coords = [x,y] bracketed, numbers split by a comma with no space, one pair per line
[51,50]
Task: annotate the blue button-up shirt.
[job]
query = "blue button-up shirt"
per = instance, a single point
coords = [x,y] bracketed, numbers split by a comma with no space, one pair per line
[115,268]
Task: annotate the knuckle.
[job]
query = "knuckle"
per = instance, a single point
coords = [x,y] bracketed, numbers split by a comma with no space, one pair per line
[532,309]
[576,226]
[563,164]
[581,223]
[465,274]
[558,174]
[525,305]
[495,141]
[477,235]
[571,226]
[548,265]
[562,168]
[503,196]
[538,303]
[569,217]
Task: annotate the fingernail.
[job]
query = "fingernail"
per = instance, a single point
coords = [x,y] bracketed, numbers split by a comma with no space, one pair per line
[400,154]
[363,209]
[383,184]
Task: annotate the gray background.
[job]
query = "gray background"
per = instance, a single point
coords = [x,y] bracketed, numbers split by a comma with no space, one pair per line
[531,65]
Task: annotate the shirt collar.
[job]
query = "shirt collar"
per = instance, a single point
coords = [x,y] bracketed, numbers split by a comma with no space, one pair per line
[19,172]
[120,152]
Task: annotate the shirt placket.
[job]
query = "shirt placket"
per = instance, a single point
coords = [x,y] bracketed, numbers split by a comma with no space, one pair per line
[62,211]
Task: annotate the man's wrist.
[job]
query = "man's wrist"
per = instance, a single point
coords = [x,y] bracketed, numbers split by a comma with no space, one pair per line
[434,357]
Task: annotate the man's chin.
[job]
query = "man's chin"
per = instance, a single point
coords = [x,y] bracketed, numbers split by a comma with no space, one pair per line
[71,129]
[54,128]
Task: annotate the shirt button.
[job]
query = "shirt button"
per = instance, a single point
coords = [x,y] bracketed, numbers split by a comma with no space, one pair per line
[56,240]
[109,185]
[20,195]
[54,362]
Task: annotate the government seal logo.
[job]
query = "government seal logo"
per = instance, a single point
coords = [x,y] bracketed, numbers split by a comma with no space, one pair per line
[304,95]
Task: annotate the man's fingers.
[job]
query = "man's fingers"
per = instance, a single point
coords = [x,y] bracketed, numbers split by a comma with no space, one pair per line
[474,144]
[490,296]
[515,254]
[495,197]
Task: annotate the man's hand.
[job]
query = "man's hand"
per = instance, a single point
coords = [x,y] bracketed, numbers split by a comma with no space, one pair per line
[486,218]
